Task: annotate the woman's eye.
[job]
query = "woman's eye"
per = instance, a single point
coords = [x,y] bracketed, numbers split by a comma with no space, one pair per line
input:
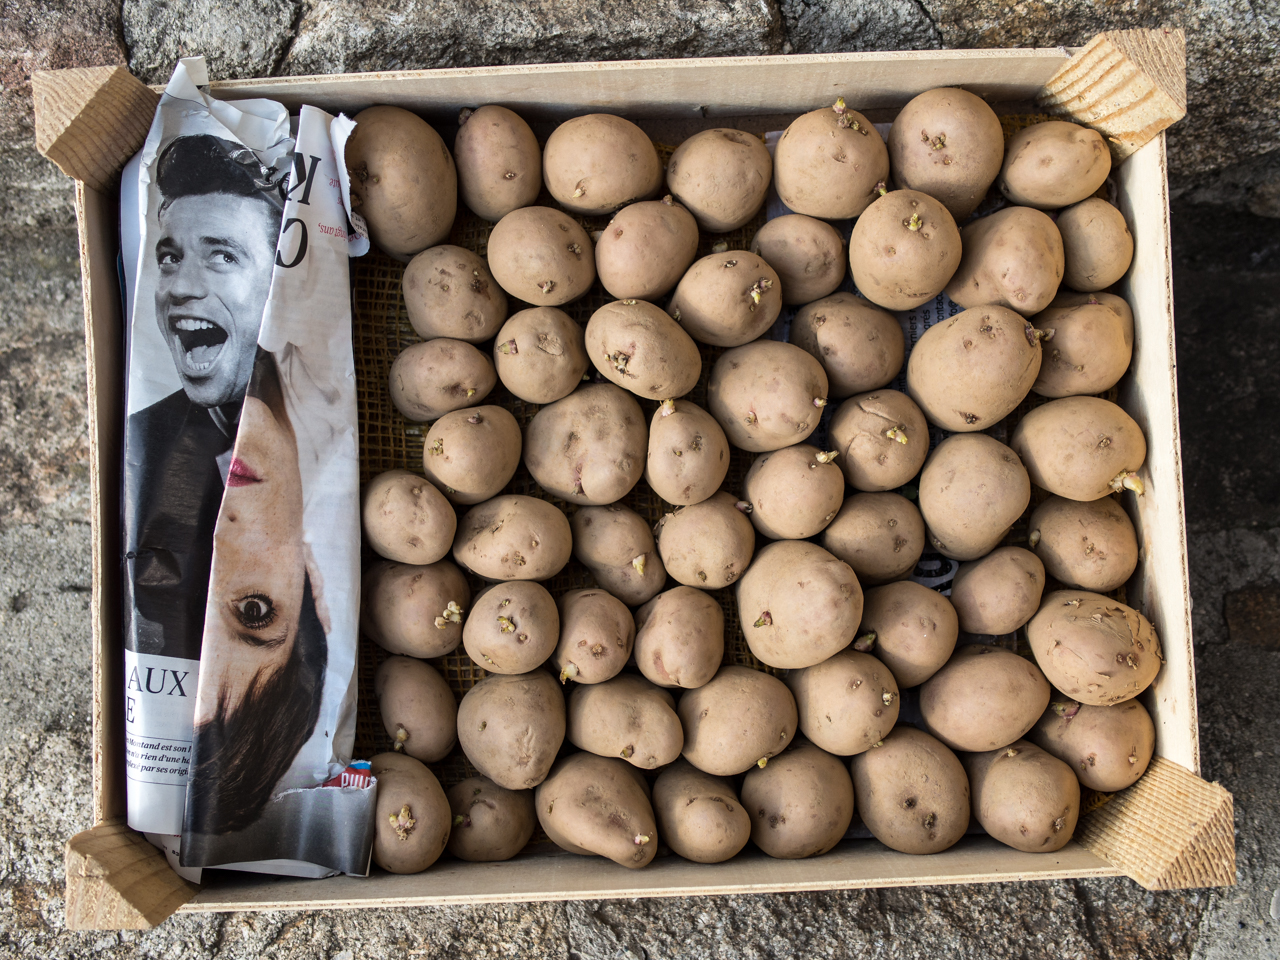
[254,611]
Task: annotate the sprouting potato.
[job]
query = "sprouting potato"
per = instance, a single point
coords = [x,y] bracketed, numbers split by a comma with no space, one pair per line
[727,299]
[433,378]
[411,819]
[722,176]
[882,439]
[542,256]
[512,628]
[499,162]
[407,519]
[449,292]
[617,546]
[680,638]
[417,707]
[472,454]
[794,492]
[807,254]
[859,345]
[767,395]
[597,163]
[414,610]
[688,453]
[880,535]
[597,634]
[646,249]
[709,544]
[829,162]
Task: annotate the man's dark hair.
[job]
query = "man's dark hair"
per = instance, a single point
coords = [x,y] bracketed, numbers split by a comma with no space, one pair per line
[203,164]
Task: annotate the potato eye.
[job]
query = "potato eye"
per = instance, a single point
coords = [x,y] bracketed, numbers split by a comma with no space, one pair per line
[255,611]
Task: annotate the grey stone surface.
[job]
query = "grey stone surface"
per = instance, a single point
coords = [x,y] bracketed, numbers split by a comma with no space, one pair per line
[813,26]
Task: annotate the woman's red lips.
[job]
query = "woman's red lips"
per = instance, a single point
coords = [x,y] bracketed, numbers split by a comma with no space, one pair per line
[240,475]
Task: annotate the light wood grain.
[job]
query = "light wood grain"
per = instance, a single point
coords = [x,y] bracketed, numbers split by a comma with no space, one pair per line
[116,880]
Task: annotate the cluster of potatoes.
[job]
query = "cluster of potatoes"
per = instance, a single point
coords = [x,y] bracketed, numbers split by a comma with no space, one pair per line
[633,671]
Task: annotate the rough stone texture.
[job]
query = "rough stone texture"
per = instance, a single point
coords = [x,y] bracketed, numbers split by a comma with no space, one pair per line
[237,39]
[813,26]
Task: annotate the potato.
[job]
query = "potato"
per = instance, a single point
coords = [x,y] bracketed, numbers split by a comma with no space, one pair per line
[680,638]
[880,535]
[541,354]
[983,698]
[1096,243]
[911,628]
[798,604]
[721,176]
[1108,748]
[999,593]
[1081,448]
[449,292]
[646,248]
[596,636]
[513,538]
[699,816]
[511,727]
[800,805]
[708,544]
[431,379]
[489,822]
[807,254]
[1054,164]
[402,180]
[541,256]
[1088,344]
[499,162]
[472,454]
[417,707]
[1094,649]
[1024,797]
[970,372]
[859,345]
[882,438]
[414,610]
[688,453]
[626,717]
[1012,258]
[847,703]
[588,448]
[641,349]
[598,163]
[947,143]
[512,628]
[727,299]
[1091,545]
[828,162]
[904,249]
[767,395]
[794,492]
[739,720]
[596,805]
[411,819]
[912,792]
[972,490]
[407,519]
[616,545]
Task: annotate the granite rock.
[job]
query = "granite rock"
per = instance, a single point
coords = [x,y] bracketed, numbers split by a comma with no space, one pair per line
[237,39]
[812,26]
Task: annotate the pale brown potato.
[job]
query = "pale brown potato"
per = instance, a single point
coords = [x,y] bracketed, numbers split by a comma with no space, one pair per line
[767,395]
[794,492]
[597,163]
[727,299]
[904,249]
[626,717]
[595,805]
[431,379]
[859,345]
[984,698]
[407,519]
[403,180]
[680,638]
[541,256]
[414,610]
[880,535]
[828,162]
[616,545]
[512,627]
[641,349]
[1108,748]
[709,544]
[489,822]
[699,816]
[499,162]
[411,817]
[882,438]
[1096,243]
[739,720]
[1054,164]
[417,708]
[688,453]
[947,143]
[472,454]
[807,254]
[646,248]
[1090,545]
[972,489]
[541,354]
[999,593]
[1012,258]
[722,176]
[588,448]
[596,636]
[1094,649]
[799,604]
[912,792]
[911,628]
[1024,797]
[513,538]
[1088,344]
[511,727]
[847,703]
[1081,448]
[449,292]
[800,805]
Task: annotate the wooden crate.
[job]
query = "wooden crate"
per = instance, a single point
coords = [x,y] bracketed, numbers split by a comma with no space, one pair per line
[1169,830]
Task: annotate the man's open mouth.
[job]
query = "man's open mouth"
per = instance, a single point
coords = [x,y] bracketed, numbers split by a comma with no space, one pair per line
[202,341]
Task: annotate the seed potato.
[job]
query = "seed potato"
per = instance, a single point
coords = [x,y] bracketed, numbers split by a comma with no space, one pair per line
[541,256]
[406,518]
[449,292]
[616,545]
[1108,748]
[414,610]
[794,492]
[859,345]
[807,254]
[828,162]
[512,628]
[489,822]
[641,349]
[699,816]
[596,636]
[880,535]
[1054,164]
[431,379]
[626,717]
[727,299]
[882,439]
[1012,258]
[1090,545]
[417,707]
[511,727]
[999,593]
[412,814]
[680,638]
[597,805]
[708,544]
[1024,797]
[767,395]
[541,354]
[688,453]
[1096,243]
[972,490]
[646,249]
[598,163]
[904,249]
[499,162]
[1087,346]
[910,628]
[722,176]
[741,719]
[513,538]
[800,805]
[847,703]
[1082,448]
[983,698]
[472,454]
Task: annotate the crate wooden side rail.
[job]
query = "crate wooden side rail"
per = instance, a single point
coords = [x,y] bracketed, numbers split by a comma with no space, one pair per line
[1171,829]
